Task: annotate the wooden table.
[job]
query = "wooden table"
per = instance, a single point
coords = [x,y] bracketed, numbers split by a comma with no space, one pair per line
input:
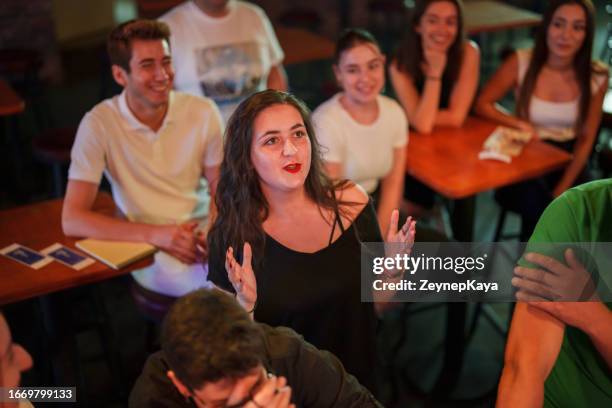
[447,160]
[37,226]
[302,45]
[486,16]
[10,102]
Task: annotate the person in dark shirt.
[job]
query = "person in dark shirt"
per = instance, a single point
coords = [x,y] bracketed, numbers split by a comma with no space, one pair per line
[14,360]
[301,230]
[214,355]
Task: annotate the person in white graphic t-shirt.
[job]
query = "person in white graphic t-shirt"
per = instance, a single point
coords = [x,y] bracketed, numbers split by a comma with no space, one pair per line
[225,50]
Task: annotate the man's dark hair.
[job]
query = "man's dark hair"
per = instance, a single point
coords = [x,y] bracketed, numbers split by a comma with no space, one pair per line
[119,43]
[207,336]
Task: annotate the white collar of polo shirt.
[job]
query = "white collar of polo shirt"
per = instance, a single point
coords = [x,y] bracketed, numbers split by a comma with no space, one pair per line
[135,124]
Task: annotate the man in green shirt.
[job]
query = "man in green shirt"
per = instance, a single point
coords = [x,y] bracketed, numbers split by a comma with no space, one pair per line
[560,353]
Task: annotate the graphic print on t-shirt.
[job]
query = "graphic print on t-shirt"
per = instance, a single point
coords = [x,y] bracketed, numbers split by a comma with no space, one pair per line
[228,73]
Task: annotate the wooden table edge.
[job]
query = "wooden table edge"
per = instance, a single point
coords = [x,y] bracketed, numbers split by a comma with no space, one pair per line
[19,296]
[502,27]
[454,195]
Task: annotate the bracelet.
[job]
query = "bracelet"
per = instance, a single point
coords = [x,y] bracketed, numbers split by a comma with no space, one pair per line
[248,311]
[434,78]
[253,309]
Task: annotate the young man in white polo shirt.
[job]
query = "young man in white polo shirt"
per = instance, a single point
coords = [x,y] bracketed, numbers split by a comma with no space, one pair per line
[224,49]
[154,145]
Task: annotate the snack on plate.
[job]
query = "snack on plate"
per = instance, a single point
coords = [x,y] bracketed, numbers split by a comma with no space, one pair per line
[504,143]
[558,134]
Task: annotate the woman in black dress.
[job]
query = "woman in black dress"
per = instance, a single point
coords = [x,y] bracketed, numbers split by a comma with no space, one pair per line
[301,233]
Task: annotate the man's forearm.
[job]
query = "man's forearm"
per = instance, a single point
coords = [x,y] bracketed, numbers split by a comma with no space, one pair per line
[517,389]
[600,330]
[532,348]
[87,223]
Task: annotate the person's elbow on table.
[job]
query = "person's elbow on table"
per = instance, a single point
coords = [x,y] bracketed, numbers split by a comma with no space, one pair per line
[421,127]
[70,221]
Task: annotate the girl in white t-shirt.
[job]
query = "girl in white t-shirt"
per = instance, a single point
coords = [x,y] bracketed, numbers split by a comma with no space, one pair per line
[559,93]
[363,133]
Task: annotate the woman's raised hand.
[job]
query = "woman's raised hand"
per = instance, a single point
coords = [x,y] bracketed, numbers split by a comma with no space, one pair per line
[404,235]
[242,277]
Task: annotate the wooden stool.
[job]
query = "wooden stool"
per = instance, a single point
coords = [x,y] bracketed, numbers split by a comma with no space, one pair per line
[153,306]
[20,68]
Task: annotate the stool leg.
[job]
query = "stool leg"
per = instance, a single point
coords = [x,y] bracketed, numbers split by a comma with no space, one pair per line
[58,181]
[462,219]
[454,349]
[500,225]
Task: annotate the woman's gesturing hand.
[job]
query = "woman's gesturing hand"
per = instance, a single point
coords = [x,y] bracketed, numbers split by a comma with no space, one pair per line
[242,277]
[402,240]
[404,235]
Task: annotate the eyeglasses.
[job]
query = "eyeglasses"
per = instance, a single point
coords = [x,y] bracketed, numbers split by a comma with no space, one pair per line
[250,397]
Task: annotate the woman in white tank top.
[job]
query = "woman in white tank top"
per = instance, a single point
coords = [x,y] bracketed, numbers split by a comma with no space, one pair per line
[559,93]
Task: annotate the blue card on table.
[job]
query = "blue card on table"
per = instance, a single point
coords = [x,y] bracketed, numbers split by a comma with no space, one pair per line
[25,255]
[67,256]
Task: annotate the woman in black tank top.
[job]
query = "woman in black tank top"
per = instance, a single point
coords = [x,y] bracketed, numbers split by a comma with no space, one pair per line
[304,232]
[434,73]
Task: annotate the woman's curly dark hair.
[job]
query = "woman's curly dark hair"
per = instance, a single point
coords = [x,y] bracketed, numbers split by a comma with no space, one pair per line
[241,205]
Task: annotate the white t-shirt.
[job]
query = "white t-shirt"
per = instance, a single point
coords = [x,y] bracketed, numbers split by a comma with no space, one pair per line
[365,151]
[226,58]
[554,120]
[156,177]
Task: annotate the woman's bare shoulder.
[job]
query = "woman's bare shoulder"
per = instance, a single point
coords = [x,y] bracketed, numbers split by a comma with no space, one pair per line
[353,199]
[471,48]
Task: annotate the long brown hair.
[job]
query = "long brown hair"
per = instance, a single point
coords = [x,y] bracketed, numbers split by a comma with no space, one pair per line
[409,55]
[241,204]
[583,66]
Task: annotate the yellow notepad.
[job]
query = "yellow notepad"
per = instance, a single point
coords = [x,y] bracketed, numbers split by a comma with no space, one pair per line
[116,254]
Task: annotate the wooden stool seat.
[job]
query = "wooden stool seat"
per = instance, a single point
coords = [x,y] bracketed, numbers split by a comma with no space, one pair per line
[53,146]
[152,305]
[17,61]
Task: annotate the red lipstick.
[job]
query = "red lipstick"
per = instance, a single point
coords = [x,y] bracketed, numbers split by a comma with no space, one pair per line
[293,167]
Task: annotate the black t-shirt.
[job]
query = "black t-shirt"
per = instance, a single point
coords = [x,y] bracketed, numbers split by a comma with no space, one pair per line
[318,295]
[317,378]
[445,91]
